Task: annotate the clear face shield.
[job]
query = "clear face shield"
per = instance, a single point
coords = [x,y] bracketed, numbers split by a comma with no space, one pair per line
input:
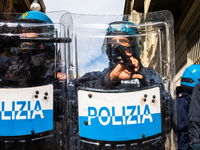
[24,47]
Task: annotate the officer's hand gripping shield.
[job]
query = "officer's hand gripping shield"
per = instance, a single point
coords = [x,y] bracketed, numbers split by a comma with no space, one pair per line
[33,84]
[110,105]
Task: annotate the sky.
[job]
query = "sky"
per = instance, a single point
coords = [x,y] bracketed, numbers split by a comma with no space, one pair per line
[95,12]
[100,7]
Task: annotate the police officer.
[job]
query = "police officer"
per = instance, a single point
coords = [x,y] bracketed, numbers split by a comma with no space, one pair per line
[194,113]
[119,76]
[31,64]
[183,96]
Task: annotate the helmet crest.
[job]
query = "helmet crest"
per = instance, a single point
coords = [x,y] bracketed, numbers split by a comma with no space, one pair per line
[36,15]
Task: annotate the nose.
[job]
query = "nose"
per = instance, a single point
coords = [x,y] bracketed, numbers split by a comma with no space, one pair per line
[115,44]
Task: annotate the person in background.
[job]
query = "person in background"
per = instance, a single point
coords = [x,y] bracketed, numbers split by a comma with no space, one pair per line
[183,96]
[194,109]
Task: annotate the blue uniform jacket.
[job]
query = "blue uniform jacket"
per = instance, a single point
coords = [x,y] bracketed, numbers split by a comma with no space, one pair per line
[183,104]
[194,116]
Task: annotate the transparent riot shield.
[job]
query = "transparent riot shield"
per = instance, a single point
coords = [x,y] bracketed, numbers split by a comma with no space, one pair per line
[32,83]
[121,91]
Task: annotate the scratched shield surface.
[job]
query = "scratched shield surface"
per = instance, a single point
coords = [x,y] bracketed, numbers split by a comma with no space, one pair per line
[119,116]
[25,111]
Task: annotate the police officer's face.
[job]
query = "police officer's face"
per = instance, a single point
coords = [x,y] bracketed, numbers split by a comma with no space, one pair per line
[29,33]
[121,40]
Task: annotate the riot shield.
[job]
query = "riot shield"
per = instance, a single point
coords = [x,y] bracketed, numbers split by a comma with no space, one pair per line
[121,91]
[33,83]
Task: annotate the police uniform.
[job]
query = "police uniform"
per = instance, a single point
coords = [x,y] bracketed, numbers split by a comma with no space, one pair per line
[102,79]
[26,69]
[194,116]
[183,99]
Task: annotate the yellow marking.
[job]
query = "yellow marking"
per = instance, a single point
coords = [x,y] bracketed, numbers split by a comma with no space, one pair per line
[24,15]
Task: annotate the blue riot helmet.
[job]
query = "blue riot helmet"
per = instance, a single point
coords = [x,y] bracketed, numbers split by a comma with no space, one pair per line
[190,77]
[36,15]
[37,22]
[126,32]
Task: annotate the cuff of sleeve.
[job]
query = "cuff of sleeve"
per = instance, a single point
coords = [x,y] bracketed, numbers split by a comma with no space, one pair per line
[108,82]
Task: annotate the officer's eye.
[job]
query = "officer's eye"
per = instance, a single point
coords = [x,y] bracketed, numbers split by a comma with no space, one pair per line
[29,30]
[124,41]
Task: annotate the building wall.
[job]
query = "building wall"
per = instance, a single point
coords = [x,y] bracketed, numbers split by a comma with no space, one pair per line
[187,32]
[18,6]
[180,54]
[5,7]
[183,48]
